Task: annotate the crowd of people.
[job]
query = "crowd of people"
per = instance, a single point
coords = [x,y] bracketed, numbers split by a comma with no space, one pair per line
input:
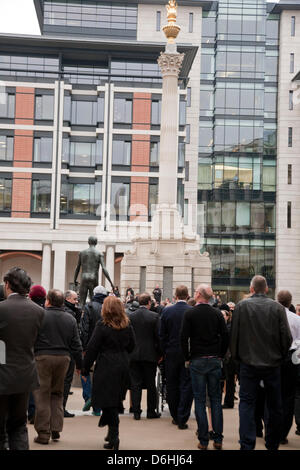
[204,348]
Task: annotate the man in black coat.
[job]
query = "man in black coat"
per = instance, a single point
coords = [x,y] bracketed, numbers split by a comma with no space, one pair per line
[56,343]
[143,360]
[20,322]
[204,342]
[178,378]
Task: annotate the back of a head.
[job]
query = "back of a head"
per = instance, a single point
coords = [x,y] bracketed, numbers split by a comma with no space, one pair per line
[181,292]
[18,280]
[205,291]
[113,313]
[38,295]
[284,297]
[144,299]
[55,298]
[92,241]
[259,284]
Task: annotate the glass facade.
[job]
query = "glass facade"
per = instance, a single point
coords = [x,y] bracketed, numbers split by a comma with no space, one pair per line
[237,142]
[100,18]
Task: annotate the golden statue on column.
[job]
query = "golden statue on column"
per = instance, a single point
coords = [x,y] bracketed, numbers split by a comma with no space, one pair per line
[172,29]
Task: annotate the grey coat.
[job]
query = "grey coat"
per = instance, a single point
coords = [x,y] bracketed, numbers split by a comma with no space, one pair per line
[20,322]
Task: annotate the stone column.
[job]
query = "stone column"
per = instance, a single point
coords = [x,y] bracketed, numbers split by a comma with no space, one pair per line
[46,266]
[110,265]
[170,63]
[59,276]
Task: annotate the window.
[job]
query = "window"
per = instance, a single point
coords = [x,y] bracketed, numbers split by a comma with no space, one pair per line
[289,214]
[205,173]
[292,63]
[6,148]
[42,150]
[154,154]
[182,112]
[81,199]
[189,97]
[5,194]
[289,174]
[44,107]
[7,105]
[181,154]
[87,113]
[120,197]
[191,22]
[121,152]
[293,25]
[123,110]
[290,136]
[291,104]
[153,197]
[158,20]
[41,196]
[155,112]
[269,176]
[205,137]
[84,154]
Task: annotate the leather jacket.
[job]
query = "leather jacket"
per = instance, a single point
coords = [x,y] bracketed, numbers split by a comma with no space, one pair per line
[260,333]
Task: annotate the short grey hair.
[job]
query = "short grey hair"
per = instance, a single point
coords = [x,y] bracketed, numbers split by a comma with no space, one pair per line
[259,284]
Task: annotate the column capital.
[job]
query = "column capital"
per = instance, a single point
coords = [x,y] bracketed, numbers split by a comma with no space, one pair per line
[170,64]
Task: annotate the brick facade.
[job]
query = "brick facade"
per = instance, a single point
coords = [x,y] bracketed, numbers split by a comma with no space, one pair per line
[23,150]
[140,157]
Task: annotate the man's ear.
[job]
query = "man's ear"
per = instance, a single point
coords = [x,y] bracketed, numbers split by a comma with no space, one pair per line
[251,290]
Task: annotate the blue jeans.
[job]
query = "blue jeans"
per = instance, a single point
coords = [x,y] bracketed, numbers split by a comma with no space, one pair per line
[207,372]
[250,378]
[86,388]
[87,391]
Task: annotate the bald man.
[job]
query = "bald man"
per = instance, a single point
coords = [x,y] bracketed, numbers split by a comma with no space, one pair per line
[204,342]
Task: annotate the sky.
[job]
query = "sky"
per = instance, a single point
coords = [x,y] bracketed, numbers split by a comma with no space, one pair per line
[19,17]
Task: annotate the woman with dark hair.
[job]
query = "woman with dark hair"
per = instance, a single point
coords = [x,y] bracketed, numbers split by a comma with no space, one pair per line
[110,345]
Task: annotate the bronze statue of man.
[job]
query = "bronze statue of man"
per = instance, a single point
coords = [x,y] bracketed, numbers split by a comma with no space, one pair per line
[89,261]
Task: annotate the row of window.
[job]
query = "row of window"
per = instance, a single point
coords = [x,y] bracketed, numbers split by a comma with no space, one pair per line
[238,99]
[78,110]
[237,173]
[78,199]
[240,24]
[240,261]
[96,15]
[86,154]
[239,218]
[239,62]
[245,136]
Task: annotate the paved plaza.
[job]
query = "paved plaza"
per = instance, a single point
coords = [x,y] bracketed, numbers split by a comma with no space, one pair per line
[83,433]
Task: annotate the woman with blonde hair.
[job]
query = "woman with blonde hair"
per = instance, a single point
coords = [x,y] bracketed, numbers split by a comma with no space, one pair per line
[110,345]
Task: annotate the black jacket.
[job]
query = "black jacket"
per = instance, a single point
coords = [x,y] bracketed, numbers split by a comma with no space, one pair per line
[59,336]
[91,315]
[110,349]
[146,328]
[260,333]
[170,326]
[203,333]
[20,322]
[73,310]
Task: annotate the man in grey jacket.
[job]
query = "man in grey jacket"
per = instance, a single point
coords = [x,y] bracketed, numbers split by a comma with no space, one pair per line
[57,341]
[260,341]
